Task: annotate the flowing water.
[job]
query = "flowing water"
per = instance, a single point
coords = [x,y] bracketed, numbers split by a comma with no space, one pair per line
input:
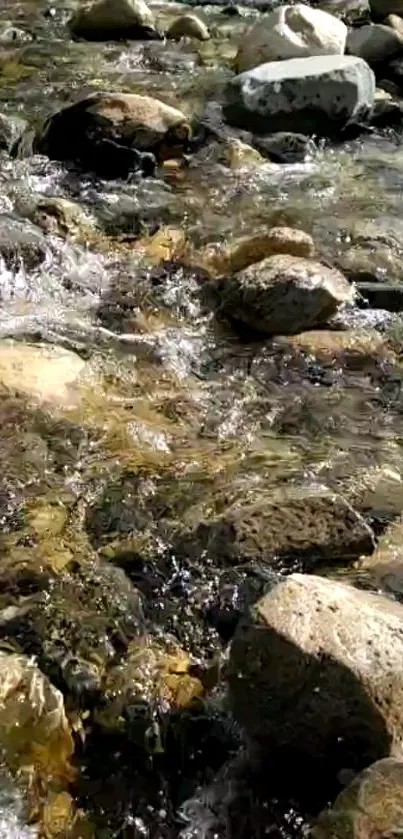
[177,417]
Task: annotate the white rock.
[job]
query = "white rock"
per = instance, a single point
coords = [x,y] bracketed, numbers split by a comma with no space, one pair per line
[44,373]
[291,32]
[311,95]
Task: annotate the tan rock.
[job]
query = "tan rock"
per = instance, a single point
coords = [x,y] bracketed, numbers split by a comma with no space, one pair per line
[43,372]
[385,567]
[168,243]
[188,26]
[224,259]
[396,23]
[108,18]
[317,667]
[238,155]
[62,217]
[353,348]
[371,806]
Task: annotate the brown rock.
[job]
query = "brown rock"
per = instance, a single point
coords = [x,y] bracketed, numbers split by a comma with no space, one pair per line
[317,668]
[238,255]
[352,348]
[108,19]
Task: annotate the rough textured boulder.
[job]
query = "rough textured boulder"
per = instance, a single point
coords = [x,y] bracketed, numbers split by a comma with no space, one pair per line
[317,667]
[188,26]
[303,524]
[318,95]
[81,131]
[371,805]
[113,19]
[223,259]
[374,43]
[282,294]
[291,32]
[285,147]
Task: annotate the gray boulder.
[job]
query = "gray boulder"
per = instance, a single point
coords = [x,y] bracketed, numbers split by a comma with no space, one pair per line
[285,147]
[282,294]
[113,19]
[318,95]
[374,43]
[382,8]
[316,667]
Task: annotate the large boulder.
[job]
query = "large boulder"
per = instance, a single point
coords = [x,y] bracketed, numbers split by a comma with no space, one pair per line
[316,667]
[282,294]
[318,95]
[371,805]
[113,19]
[297,524]
[291,32]
[374,43]
[382,8]
[88,130]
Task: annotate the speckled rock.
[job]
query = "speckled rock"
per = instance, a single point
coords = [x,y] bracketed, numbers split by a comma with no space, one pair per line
[371,805]
[316,667]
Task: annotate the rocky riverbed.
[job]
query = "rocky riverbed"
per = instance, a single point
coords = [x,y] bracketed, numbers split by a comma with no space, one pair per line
[201,487]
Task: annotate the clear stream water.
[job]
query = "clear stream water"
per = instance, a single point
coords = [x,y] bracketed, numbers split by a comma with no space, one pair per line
[199,416]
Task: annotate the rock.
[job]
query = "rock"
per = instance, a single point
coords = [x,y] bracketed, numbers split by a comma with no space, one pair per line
[238,255]
[167,244]
[316,668]
[154,677]
[350,11]
[113,19]
[61,217]
[385,567]
[45,373]
[290,32]
[355,349]
[283,294]
[382,295]
[10,34]
[302,524]
[188,26]
[374,251]
[372,805]
[374,43]
[383,8]
[11,130]
[21,243]
[238,155]
[34,730]
[285,147]
[284,94]
[396,23]
[134,122]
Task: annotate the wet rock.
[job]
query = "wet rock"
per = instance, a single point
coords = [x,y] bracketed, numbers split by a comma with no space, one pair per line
[374,251]
[61,217]
[351,11]
[285,147]
[396,23]
[77,626]
[33,726]
[316,668]
[238,155]
[298,524]
[372,805]
[374,43]
[284,95]
[238,255]
[21,242]
[290,32]
[167,244]
[282,294]
[356,349]
[188,26]
[385,566]
[114,19]
[153,678]
[382,295]
[135,123]
[11,130]
[44,373]
[382,8]
[10,34]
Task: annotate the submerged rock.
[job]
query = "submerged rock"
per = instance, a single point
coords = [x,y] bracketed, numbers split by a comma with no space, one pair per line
[297,524]
[355,349]
[283,294]
[372,805]
[316,668]
[11,130]
[61,217]
[44,373]
[285,147]
[21,243]
[290,32]
[131,123]
[114,19]
[188,26]
[295,95]
[374,43]
[33,726]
